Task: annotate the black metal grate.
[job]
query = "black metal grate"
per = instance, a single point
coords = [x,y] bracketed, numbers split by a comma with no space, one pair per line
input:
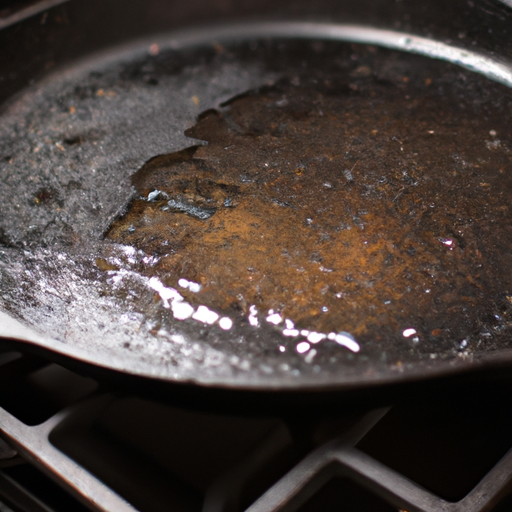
[340,458]
[123,453]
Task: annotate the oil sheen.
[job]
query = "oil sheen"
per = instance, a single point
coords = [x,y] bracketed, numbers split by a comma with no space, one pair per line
[342,208]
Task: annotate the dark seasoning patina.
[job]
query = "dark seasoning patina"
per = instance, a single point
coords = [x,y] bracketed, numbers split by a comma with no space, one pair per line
[352,190]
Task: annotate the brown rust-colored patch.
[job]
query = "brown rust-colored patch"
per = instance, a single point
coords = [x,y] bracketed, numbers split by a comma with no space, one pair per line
[342,210]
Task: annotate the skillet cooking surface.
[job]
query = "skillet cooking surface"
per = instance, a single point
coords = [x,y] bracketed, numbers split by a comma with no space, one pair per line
[261,213]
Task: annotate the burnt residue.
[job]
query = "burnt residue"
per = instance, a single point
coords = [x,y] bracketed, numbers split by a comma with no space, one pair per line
[46,196]
[363,209]
[4,239]
[177,183]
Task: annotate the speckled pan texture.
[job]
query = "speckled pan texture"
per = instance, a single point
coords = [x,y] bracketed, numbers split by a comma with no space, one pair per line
[262,212]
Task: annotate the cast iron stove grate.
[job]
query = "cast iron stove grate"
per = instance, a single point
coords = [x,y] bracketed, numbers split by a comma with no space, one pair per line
[432,453]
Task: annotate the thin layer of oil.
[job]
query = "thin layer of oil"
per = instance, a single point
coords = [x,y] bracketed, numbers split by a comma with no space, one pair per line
[343,209]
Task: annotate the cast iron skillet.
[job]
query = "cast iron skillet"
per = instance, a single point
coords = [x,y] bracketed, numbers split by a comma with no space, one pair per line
[473,35]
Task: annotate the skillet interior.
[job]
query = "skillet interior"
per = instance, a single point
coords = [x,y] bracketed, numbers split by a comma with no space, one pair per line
[59,269]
